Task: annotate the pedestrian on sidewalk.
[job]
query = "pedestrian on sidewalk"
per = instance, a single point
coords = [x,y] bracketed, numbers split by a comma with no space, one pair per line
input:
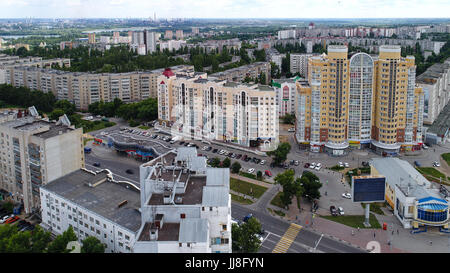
[374,235]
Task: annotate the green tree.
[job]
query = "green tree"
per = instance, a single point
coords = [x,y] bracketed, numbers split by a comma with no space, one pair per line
[55,114]
[259,175]
[92,245]
[290,186]
[40,240]
[279,155]
[215,162]
[226,163]
[59,245]
[311,185]
[8,206]
[244,237]
[288,119]
[236,167]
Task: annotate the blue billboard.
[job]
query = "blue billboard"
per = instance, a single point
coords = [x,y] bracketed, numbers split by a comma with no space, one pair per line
[367,189]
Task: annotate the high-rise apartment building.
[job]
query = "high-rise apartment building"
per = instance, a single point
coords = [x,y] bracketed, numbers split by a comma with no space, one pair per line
[179,34]
[299,63]
[34,152]
[91,38]
[168,34]
[286,34]
[202,108]
[195,31]
[364,101]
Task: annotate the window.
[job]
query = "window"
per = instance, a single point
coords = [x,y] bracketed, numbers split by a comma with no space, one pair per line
[97,222]
[182,216]
[224,227]
[180,244]
[120,234]
[121,244]
[127,237]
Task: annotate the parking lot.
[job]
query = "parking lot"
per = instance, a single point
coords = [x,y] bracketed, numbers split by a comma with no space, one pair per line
[8,218]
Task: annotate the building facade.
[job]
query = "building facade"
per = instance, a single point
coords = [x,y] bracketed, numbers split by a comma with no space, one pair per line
[366,101]
[35,152]
[299,63]
[211,109]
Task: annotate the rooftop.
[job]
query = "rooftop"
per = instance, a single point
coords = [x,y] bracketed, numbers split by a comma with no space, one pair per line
[442,123]
[102,199]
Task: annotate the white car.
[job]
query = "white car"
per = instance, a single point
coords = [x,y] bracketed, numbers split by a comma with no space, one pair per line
[221,152]
[341,164]
[436,164]
[346,165]
[341,211]
[251,170]
[291,129]
[318,167]
[204,148]
[347,195]
[260,237]
[313,165]
[262,162]
[424,146]
[6,217]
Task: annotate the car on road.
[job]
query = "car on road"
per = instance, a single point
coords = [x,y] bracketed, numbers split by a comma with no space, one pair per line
[341,211]
[333,211]
[247,217]
[268,173]
[347,195]
[262,162]
[96,164]
[251,170]
[306,165]
[129,171]
[424,146]
[436,164]
[5,218]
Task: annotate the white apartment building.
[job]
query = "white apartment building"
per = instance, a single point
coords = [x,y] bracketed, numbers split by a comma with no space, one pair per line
[185,205]
[286,34]
[277,59]
[172,45]
[199,108]
[286,91]
[33,152]
[93,204]
[435,82]
[299,63]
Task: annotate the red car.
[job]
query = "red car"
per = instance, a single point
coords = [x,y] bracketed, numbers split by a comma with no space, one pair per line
[268,173]
[12,220]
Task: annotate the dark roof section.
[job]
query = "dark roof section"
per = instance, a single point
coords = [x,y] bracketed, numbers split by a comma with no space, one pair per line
[102,199]
[442,123]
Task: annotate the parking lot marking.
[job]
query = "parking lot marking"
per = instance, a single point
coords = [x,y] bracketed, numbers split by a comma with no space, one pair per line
[287,239]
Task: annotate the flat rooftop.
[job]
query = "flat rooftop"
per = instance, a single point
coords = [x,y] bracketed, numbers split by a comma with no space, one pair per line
[442,123]
[53,128]
[102,199]
[169,232]
[192,196]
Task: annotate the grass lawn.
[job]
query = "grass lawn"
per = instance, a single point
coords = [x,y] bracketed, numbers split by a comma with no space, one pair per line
[248,175]
[431,171]
[241,200]
[337,168]
[276,201]
[247,188]
[86,140]
[278,212]
[375,208]
[446,157]
[143,127]
[354,221]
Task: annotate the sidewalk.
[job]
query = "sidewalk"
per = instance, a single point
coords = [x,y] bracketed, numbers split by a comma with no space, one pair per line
[253,181]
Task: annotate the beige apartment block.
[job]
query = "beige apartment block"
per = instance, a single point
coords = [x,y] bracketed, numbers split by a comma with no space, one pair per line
[200,108]
[34,152]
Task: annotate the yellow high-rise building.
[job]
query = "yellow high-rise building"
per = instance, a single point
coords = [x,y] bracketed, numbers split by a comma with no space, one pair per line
[363,101]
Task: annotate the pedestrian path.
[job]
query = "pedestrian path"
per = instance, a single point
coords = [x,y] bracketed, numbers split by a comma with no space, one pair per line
[287,239]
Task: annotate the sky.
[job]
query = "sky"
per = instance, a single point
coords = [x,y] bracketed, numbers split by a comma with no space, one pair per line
[225,8]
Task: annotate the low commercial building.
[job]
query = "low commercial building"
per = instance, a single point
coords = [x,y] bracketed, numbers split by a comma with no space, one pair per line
[93,204]
[239,74]
[417,203]
[185,205]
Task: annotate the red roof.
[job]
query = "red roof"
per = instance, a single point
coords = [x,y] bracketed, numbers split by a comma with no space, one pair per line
[168,72]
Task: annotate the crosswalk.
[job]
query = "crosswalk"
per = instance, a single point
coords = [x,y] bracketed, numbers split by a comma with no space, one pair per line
[287,239]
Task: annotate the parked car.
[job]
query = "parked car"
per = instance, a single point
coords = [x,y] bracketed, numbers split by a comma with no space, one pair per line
[248,159]
[436,164]
[246,218]
[306,165]
[129,171]
[417,163]
[291,129]
[341,164]
[346,165]
[262,162]
[347,195]
[341,211]
[296,163]
[238,156]
[5,218]
[424,146]
[268,173]
[181,142]
[96,164]
[333,211]
[251,170]
[172,141]
[12,219]
[365,163]
[215,150]
[318,167]
[204,148]
[313,165]
[209,148]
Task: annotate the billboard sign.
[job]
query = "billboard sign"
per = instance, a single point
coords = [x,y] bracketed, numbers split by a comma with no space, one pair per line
[367,189]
